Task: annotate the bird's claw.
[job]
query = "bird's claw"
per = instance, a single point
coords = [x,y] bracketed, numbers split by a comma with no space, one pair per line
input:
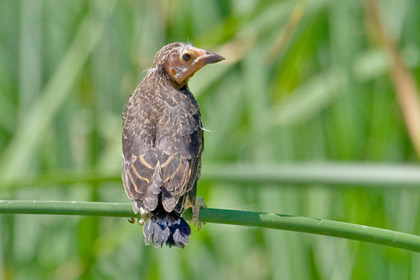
[199,203]
[141,218]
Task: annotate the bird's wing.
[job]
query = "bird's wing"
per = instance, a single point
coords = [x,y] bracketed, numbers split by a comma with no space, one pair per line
[160,157]
[180,151]
[140,172]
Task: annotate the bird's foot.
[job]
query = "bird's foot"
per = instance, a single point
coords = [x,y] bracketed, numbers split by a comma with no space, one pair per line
[141,220]
[142,217]
[199,203]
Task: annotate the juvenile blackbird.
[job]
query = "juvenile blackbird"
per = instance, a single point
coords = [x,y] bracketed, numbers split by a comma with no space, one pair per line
[162,144]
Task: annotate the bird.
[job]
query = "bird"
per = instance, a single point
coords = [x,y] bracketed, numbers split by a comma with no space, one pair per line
[162,144]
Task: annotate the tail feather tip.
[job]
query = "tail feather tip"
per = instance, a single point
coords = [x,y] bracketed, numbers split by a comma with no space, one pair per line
[168,228]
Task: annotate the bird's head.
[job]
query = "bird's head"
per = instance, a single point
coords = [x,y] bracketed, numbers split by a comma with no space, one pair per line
[180,61]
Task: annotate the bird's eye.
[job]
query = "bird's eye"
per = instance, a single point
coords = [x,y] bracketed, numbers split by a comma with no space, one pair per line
[186,56]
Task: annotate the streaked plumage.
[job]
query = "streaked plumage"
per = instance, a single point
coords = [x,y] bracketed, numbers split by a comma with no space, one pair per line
[163,142]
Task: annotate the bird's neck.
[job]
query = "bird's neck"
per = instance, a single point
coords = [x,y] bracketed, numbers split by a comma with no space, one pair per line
[162,82]
[159,75]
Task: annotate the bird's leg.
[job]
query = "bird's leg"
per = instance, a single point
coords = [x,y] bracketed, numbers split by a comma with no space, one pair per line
[199,203]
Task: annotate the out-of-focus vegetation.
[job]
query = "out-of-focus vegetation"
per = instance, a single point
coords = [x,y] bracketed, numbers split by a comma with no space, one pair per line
[303,81]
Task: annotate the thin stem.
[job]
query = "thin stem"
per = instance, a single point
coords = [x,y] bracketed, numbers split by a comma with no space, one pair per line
[66,208]
[221,216]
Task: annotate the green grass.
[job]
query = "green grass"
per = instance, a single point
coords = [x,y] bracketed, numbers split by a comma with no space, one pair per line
[323,102]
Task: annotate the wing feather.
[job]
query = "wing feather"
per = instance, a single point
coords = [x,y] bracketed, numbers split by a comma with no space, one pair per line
[160,155]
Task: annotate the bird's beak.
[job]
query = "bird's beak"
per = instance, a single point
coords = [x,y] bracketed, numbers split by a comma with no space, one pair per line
[181,73]
[206,57]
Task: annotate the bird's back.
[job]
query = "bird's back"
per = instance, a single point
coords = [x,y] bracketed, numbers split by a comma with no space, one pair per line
[162,145]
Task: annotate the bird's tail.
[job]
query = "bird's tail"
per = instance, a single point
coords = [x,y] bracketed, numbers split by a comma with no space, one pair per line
[166,228]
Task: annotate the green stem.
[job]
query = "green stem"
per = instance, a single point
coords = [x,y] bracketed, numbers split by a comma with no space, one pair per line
[233,217]
[311,225]
[66,208]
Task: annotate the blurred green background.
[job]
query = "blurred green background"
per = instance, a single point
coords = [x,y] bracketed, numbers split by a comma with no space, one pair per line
[303,81]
